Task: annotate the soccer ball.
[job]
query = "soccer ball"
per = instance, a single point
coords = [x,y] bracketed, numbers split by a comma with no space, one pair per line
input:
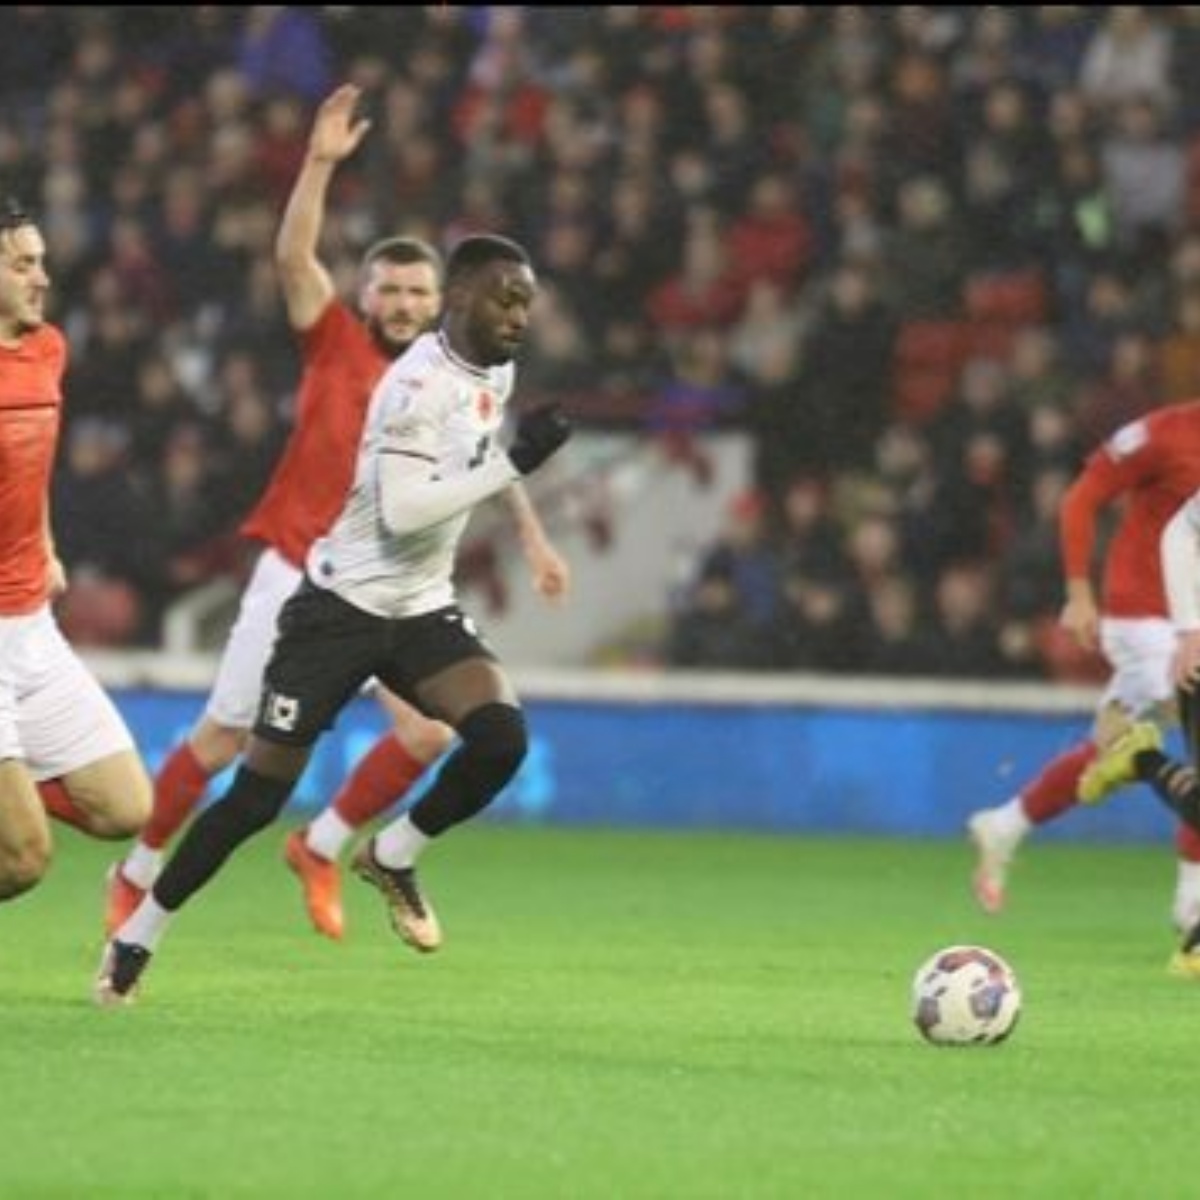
[965,996]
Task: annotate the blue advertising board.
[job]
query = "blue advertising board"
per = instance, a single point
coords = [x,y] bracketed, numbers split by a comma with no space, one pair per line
[771,768]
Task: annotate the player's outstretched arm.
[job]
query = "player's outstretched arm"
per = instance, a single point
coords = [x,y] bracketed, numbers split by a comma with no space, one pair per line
[1077,519]
[414,496]
[336,133]
[549,572]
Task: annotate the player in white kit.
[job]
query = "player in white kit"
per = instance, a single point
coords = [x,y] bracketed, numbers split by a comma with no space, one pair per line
[1139,755]
[378,600]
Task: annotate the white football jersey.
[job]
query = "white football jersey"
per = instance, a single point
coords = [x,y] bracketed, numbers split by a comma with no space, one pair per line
[1180,553]
[430,406]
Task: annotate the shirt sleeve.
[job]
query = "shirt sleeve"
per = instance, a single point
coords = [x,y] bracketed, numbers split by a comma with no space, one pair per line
[1126,460]
[415,489]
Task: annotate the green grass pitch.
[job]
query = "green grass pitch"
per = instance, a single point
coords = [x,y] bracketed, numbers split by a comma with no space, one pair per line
[614,1015]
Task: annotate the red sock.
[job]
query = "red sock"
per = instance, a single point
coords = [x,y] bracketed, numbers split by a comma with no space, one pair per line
[178,788]
[58,803]
[1053,791]
[386,772]
[1187,843]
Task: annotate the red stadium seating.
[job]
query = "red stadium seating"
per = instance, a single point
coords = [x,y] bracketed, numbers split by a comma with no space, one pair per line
[926,363]
[1012,298]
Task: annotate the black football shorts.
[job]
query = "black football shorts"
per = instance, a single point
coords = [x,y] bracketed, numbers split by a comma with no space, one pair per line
[326,649]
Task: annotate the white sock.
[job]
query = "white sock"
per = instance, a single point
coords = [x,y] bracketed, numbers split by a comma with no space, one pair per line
[1011,821]
[398,844]
[328,835]
[1187,881]
[142,865]
[147,924]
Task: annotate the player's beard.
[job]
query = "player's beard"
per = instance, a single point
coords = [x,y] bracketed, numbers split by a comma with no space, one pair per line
[389,346]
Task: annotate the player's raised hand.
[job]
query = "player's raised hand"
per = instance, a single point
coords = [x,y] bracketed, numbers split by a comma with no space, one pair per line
[336,130]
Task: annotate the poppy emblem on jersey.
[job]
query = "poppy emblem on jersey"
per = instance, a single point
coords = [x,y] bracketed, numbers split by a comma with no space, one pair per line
[485,406]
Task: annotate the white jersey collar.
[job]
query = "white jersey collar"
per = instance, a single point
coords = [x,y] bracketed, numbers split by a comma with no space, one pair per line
[457,360]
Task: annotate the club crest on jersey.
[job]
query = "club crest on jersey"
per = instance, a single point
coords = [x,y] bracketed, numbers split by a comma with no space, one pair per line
[1129,439]
[485,407]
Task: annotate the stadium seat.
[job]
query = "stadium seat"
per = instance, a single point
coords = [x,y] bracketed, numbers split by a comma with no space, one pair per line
[937,345]
[1009,298]
[918,392]
[991,339]
[926,363]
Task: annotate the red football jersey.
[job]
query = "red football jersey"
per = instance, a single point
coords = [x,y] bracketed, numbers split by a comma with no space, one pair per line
[1153,465]
[30,411]
[308,487]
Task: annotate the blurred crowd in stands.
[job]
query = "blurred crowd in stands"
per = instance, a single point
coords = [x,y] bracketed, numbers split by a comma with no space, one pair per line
[925,256]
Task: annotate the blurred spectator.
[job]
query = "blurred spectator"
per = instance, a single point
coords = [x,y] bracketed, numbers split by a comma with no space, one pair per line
[899,642]
[712,629]
[1179,351]
[282,48]
[925,254]
[1143,174]
[818,627]
[965,638]
[735,210]
[1127,390]
[98,504]
[1128,56]
[701,392]
[846,367]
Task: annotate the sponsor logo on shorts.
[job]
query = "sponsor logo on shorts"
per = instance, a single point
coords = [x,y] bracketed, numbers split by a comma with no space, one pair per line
[281,712]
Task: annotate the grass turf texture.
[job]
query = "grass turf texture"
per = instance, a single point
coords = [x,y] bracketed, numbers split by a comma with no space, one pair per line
[614,1015]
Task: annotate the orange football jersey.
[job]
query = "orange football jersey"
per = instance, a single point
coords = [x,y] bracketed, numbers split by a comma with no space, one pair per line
[30,410]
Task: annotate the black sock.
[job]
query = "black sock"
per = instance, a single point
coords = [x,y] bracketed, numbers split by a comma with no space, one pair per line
[492,748]
[1175,784]
[252,803]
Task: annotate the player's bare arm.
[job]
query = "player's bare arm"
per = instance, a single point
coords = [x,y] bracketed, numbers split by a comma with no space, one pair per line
[549,572]
[56,573]
[306,283]
[1081,614]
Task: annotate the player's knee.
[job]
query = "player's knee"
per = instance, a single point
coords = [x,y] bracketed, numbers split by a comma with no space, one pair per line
[118,817]
[427,741]
[216,746]
[115,795]
[23,866]
[495,740]
[118,822]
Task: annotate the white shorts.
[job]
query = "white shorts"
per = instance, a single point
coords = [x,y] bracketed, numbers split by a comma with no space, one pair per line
[53,714]
[1139,650]
[234,699]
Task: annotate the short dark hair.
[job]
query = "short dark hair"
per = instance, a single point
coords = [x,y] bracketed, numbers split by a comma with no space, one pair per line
[480,249]
[403,252]
[13,214]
